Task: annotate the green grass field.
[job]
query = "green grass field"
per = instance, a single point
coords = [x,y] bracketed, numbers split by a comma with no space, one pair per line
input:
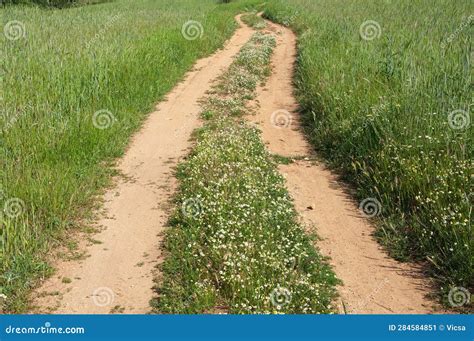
[66,75]
[386,89]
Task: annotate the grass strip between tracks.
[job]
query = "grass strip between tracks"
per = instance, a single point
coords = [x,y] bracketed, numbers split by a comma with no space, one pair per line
[235,244]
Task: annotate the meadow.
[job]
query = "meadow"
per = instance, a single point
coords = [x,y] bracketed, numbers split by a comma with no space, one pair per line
[67,75]
[386,91]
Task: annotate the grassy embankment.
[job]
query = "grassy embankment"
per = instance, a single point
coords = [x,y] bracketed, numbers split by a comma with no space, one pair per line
[76,84]
[235,245]
[390,107]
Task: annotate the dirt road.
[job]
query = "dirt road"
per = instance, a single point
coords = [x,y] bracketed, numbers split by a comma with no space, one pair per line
[117,273]
[373,282]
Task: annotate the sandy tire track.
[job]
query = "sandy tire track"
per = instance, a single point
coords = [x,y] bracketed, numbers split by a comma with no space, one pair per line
[373,282]
[117,274]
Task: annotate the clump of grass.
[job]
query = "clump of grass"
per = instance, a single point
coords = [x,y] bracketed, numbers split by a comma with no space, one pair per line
[66,67]
[282,160]
[380,111]
[253,20]
[235,244]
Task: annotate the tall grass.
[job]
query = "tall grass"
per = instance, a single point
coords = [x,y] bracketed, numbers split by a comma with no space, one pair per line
[116,59]
[384,111]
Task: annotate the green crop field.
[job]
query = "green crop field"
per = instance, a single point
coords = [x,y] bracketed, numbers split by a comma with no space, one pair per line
[386,89]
